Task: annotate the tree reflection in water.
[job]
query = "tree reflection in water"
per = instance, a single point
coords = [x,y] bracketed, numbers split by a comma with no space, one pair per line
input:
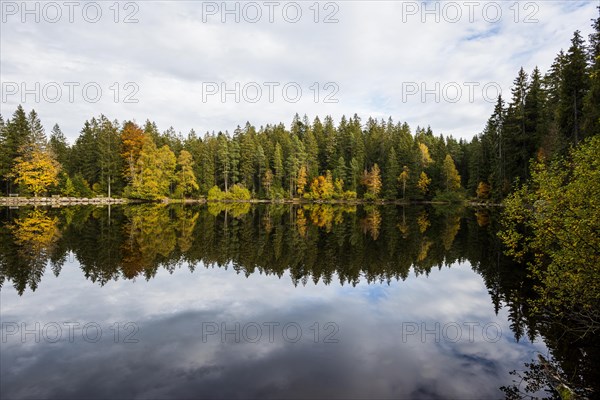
[311,242]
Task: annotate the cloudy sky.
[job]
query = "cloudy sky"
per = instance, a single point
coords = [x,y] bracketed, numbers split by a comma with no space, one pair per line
[210,66]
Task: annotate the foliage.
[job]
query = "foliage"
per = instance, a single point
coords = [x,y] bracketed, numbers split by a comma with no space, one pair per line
[237,192]
[403,177]
[36,169]
[552,223]
[423,184]
[322,188]
[483,191]
[185,178]
[451,176]
[155,172]
[372,181]
[544,114]
[81,186]
[301,180]
[132,138]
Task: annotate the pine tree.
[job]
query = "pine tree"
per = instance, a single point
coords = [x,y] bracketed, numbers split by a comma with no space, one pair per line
[535,125]
[591,102]
[514,132]
[59,146]
[224,159]
[403,178]
[575,84]
[261,164]
[85,153]
[234,161]
[278,165]
[248,154]
[15,134]
[392,171]
[109,155]
[38,133]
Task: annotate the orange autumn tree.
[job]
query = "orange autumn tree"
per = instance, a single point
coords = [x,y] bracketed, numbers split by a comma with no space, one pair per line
[372,181]
[132,137]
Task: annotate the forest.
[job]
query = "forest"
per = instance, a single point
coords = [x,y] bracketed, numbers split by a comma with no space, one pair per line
[544,117]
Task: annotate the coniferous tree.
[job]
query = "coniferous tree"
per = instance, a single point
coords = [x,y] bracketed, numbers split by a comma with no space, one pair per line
[59,146]
[591,102]
[575,83]
[15,134]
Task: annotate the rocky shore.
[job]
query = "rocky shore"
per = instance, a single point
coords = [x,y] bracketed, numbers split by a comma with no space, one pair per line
[58,201]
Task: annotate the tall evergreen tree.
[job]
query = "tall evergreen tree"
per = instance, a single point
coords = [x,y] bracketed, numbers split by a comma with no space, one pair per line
[591,102]
[15,134]
[59,146]
[575,84]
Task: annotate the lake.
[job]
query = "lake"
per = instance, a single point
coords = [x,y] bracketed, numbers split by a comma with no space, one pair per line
[246,301]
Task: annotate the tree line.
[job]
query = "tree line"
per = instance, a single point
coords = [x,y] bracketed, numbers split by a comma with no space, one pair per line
[317,159]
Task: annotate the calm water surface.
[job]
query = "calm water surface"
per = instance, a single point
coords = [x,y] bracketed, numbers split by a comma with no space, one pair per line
[235,301]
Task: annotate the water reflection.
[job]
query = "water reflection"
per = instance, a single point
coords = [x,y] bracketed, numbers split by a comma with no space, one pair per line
[312,242]
[347,265]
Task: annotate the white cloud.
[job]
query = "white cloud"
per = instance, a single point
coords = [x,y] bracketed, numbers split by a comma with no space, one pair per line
[374,50]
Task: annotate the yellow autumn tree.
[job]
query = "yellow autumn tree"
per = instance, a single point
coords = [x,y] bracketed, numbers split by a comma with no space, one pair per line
[372,181]
[426,159]
[155,172]
[404,175]
[322,187]
[186,180]
[301,180]
[483,191]
[423,183]
[450,174]
[36,232]
[372,222]
[36,169]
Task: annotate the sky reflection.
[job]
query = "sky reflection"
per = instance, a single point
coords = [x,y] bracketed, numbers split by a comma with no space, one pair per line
[377,353]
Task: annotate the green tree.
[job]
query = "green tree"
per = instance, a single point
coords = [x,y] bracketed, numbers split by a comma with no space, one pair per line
[591,102]
[12,138]
[392,171]
[278,165]
[552,223]
[109,155]
[574,86]
[185,178]
[59,146]
[155,172]
[224,159]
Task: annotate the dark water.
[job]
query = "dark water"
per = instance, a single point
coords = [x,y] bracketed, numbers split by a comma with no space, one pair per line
[157,301]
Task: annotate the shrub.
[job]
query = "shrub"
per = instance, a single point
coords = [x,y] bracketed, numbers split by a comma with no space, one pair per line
[237,192]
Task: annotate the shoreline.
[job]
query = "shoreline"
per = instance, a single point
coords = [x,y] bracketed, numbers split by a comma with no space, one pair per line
[74,201]
[60,201]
